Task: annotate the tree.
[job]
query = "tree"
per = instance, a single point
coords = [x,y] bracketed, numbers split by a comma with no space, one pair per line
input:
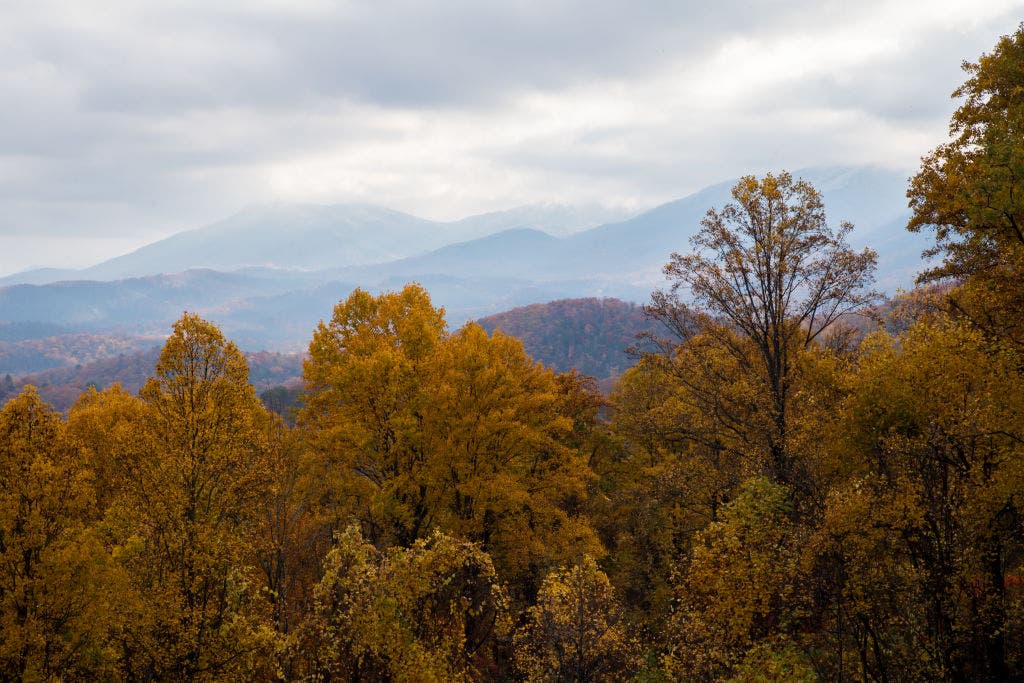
[574,633]
[289,543]
[663,477]
[925,539]
[741,590]
[58,584]
[367,385]
[970,191]
[767,278]
[109,427]
[504,436]
[189,510]
[433,611]
[414,429]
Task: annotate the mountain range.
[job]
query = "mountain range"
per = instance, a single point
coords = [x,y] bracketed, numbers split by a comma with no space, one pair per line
[269,273]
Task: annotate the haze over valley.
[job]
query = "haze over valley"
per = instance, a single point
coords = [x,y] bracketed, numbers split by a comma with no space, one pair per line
[269,273]
[515,342]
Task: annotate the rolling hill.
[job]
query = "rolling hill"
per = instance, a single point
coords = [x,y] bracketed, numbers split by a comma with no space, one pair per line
[277,270]
[589,335]
[62,386]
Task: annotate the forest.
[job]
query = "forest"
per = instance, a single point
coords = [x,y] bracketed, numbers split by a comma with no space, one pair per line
[795,482]
[594,336]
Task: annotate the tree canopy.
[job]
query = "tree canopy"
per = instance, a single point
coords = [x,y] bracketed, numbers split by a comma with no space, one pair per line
[970,193]
[770,494]
[766,279]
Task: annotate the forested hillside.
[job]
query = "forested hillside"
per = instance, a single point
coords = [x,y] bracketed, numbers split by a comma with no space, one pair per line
[61,386]
[763,497]
[34,355]
[588,335]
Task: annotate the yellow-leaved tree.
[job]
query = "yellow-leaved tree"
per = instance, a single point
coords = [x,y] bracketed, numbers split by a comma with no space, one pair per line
[740,597]
[414,429]
[924,545]
[109,426]
[575,632]
[767,278]
[59,587]
[188,510]
[434,611]
[970,192]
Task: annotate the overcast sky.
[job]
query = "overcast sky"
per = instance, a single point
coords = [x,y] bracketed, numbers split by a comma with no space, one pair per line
[125,121]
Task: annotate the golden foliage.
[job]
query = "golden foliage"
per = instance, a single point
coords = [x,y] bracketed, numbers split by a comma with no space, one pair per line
[741,588]
[58,586]
[430,612]
[416,430]
[575,631]
[187,511]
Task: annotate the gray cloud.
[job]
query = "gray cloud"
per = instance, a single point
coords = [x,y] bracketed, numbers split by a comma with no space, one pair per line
[391,53]
[903,86]
[128,120]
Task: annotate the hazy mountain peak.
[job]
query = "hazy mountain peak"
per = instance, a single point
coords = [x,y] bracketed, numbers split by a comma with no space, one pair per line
[551,217]
[480,263]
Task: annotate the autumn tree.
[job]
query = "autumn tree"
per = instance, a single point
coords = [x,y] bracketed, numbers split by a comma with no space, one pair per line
[367,383]
[970,192]
[414,429]
[289,543]
[661,481]
[504,437]
[740,594]
[766,278]
[109,427]
[59,587]
[189,509]
[923,546]
[432,611]
[575,632]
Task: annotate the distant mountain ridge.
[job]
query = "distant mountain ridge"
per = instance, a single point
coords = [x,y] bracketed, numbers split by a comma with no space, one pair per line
[311,237]
[267,284]
[589,335]
[631,253]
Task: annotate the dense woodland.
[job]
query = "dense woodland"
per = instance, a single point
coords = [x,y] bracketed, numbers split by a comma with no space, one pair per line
[770,494]
[24,356]
[592,336]
[61,386]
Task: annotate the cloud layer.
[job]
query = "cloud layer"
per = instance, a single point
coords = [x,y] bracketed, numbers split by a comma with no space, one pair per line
[124,122]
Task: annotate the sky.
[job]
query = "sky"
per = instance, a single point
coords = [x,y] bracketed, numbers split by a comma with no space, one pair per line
[126,121]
